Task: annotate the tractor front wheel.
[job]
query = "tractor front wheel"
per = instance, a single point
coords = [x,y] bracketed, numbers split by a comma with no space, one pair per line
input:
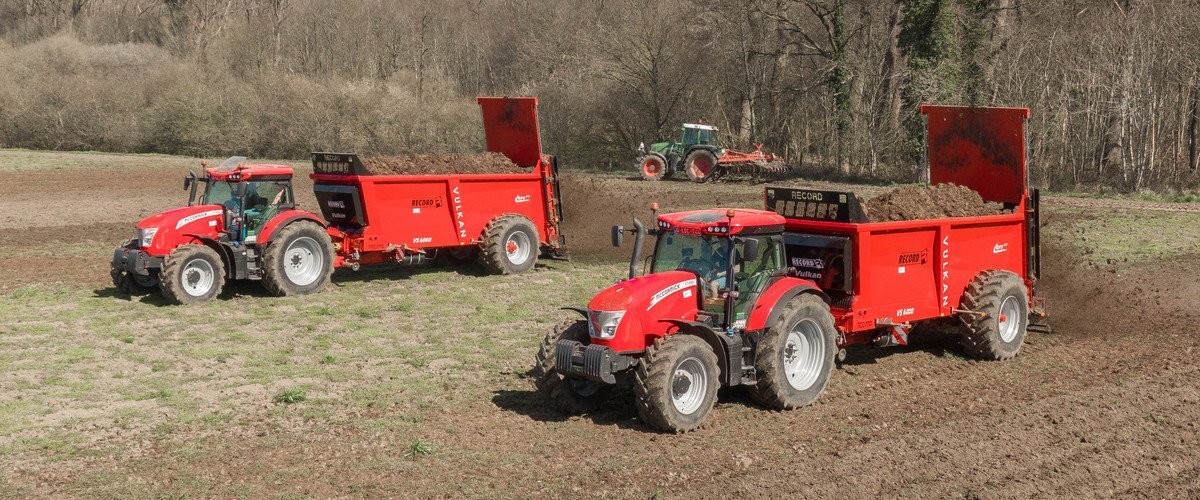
[795,355]
[700,164]
[569,395]
[134,284]
[192,274]
[298,260]
[509,246]
[998,317]
[676,383]
[653,167]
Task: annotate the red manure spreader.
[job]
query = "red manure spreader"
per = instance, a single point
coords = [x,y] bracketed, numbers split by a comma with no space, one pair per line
[245,223]
[770,299]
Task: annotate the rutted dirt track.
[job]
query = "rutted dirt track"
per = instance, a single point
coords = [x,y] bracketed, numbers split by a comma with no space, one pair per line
[1108,405]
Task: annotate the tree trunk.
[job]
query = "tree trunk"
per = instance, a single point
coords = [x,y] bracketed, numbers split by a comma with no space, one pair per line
[891,74]
[1116,133]
[746,119]
[1193,118]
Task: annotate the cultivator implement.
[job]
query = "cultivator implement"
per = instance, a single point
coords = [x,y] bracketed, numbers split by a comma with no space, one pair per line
[756,164]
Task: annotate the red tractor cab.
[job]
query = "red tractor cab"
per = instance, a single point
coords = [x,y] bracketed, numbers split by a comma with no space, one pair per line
[233,211]
[770,299]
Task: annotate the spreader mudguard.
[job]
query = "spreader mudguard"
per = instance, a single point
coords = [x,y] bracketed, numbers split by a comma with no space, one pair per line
[980,148]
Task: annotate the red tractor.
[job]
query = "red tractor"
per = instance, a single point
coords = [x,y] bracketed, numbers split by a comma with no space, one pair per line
[245,223]
[770,299]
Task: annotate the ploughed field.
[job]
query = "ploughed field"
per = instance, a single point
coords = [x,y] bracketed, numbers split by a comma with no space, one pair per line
[412,382]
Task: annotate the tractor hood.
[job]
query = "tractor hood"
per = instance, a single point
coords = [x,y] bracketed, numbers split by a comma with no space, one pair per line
[645,301]
[172,226]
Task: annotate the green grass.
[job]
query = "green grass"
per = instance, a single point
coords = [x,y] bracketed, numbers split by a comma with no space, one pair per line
[410,342]
[1128,235]
[419,448]
[1140,196]
[291,395]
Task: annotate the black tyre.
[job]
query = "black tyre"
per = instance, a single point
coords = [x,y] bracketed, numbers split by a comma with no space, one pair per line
[700,164]
[795,355]
[135,284]
[569,395]
[653,167]
[192,274]
[999,332]
[676,383]
[509,245]
[298,260]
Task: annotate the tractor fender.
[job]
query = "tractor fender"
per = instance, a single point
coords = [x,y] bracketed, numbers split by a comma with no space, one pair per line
[728,348]
[769,305]
[281,220]
[222,249]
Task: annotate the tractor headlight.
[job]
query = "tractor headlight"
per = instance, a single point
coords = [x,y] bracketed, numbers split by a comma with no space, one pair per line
[603,324]
[146,236]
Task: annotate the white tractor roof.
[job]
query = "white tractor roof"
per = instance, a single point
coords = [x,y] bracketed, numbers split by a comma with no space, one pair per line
[701,127]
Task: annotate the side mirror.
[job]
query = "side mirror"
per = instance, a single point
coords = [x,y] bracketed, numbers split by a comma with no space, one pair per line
[618,236]
[750,249]
[187,181]
[241,189]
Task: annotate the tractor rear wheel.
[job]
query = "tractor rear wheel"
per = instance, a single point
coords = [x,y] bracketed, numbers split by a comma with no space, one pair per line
[298,260]
[795,355]
[676,383]
[700,164]
[653,167]
[192,274]
[999,315]
[509,246]
[569,395]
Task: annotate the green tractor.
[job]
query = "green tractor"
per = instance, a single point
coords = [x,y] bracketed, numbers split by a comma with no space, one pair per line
[701,158]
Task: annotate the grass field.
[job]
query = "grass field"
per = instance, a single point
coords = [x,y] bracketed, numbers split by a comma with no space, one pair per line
[412,382]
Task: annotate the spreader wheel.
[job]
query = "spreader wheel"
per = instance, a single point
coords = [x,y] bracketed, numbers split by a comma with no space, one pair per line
[569,395]
[998,315]
[192,274]
[700,164]
[676,383]
[509,246]
[796,355]
[298,260]
[653,167]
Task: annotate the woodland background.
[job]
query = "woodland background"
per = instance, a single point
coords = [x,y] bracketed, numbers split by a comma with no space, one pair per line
[834,85]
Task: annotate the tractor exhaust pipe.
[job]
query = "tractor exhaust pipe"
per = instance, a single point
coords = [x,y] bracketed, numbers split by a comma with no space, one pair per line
[639,235]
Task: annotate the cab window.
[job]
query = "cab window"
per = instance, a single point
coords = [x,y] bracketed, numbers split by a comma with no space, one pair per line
[752,276]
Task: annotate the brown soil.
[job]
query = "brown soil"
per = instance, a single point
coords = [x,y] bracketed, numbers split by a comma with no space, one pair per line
[916,203]
[1105,406]
[415,164]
